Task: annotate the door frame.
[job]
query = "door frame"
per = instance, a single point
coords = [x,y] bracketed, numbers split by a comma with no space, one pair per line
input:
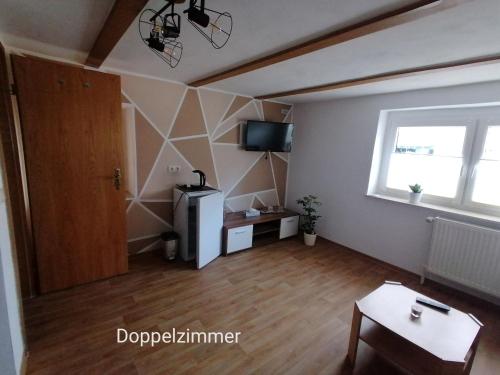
[16,183]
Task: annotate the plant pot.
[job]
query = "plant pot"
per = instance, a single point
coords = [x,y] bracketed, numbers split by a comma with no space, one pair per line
[415,197]
[309,239]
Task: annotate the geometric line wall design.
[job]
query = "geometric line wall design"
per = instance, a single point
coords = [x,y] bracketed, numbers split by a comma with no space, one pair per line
[202,131]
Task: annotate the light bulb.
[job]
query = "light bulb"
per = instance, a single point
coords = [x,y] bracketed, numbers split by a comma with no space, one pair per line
[215,27]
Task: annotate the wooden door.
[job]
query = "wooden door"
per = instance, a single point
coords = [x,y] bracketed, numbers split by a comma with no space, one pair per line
[71,125]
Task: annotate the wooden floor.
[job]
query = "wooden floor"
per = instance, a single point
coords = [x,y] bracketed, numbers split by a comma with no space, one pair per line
[292,304]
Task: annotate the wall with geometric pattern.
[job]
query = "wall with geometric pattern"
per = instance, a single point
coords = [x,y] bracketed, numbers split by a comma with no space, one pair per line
[169,124]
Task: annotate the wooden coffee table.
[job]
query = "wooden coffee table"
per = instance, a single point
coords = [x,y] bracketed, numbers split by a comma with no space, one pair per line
[436,343]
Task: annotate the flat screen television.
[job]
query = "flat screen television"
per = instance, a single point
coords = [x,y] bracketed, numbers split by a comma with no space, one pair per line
[268,136]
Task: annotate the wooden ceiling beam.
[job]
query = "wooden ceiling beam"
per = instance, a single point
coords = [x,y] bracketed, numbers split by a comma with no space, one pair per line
[438,68]
[417,10]
[119,19]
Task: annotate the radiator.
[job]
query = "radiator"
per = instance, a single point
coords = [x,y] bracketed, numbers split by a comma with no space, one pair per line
[465,254]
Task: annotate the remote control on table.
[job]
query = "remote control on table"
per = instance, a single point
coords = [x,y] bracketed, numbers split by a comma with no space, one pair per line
[433,304]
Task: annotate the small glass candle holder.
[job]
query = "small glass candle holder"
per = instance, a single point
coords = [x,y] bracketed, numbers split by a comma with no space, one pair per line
[416,311]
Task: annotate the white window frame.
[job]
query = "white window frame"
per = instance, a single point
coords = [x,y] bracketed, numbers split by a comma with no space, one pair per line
[475,119]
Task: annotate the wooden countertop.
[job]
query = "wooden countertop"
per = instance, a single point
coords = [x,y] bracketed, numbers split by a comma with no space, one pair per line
[238,219]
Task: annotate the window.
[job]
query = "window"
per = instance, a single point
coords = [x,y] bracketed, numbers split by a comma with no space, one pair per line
[487,177]
[454,153]
[431,156]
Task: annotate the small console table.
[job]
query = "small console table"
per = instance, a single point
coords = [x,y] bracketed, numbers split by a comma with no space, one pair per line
[436,343]
[242,233]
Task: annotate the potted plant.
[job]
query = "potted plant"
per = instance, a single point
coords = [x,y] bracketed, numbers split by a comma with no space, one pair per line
[309,204]
[415,193]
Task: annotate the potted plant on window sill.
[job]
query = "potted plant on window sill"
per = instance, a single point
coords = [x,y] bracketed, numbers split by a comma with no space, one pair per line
[309,204]
[415,193]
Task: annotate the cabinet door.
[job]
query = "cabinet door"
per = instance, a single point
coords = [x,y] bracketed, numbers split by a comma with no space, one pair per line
[210,216]
[239,238]
[289,226]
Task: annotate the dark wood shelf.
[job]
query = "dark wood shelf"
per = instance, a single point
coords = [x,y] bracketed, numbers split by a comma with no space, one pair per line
[258,232]
[395,349]
[238,219]
[266,228]
[265,239]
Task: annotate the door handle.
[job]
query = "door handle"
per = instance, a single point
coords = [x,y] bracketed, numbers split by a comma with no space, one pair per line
[117,178]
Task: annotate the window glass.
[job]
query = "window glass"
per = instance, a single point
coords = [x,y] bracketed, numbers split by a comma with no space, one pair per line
[431,156]
[487,175]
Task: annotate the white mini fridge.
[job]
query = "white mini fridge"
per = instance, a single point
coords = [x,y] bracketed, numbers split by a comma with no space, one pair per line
[198,219]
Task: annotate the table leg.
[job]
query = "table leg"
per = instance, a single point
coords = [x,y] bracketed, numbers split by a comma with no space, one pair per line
[468,367]
[354,338]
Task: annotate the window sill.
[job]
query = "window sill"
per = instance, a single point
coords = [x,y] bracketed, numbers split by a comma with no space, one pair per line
[470,214]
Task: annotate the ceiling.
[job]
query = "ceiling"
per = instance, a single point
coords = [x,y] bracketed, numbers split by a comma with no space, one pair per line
[466,31]
[260,27]
[462,76]
[60,28]
[68,28]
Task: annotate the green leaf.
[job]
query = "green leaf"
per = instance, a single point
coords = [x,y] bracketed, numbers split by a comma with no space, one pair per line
[310,217]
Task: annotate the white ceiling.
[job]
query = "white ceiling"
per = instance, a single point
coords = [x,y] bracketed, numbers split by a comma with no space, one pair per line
[61,28]
[68,28]
[484,73]
[260,27]
[466,31]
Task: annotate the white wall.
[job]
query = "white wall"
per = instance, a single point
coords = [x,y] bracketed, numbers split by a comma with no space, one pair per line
[11,331]
[331,158]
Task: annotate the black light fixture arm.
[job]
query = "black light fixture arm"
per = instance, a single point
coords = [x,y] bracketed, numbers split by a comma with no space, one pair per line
[160,29]
[202,4]
[170,3]
[196,13]
[192,3]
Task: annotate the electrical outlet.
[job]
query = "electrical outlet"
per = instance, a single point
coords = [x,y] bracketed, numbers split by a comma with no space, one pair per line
[174,169]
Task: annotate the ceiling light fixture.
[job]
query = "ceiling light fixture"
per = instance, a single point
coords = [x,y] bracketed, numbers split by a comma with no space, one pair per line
[160,30]
[219,24]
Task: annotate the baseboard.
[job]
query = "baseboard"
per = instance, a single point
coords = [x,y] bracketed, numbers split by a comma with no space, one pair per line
[372,258]
[453,287]
[462,288]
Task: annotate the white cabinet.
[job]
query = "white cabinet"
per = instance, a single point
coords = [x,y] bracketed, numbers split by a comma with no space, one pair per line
[242,232]
[289,226]
[239,238]
[198,218]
